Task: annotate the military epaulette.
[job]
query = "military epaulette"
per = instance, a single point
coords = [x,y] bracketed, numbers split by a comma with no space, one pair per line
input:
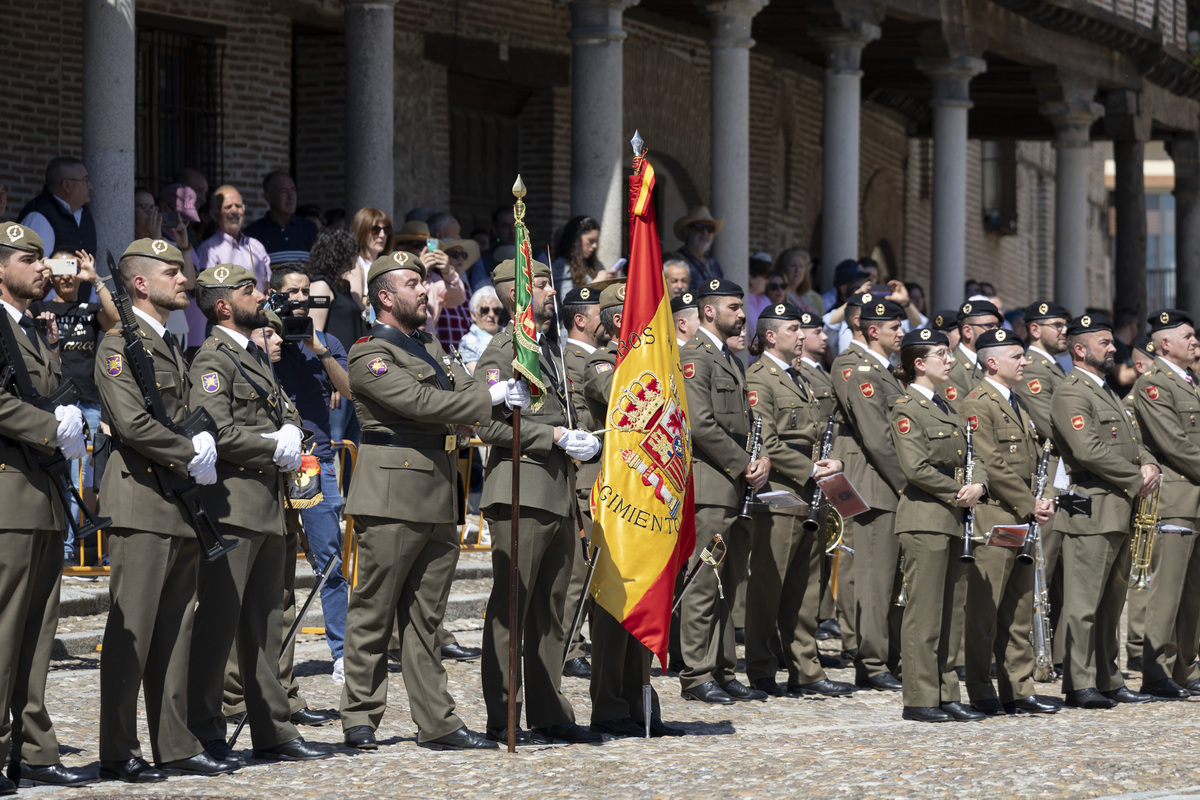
[904,398]
[363,339]
[756,367]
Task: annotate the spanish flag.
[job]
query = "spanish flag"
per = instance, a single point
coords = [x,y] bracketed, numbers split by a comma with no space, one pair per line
[642,506]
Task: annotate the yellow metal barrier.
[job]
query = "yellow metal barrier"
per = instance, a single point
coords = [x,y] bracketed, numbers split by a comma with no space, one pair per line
[81,568]
[347,452]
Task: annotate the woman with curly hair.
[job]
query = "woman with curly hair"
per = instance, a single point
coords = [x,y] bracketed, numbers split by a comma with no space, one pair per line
[331,265]
[575,262]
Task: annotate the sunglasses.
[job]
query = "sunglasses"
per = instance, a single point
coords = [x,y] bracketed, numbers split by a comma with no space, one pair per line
[485,310]
[378,229]
[700,226]
[457,255]
[775,287]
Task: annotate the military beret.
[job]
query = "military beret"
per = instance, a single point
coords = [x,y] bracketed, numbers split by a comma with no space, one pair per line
[582,296]
[506,270]
[1167,318]
[394,261]
[719,287]
[155,248]
[18,237]
[1041,309]
[997,338]
[978,308]
[924,336]
[784,310]
[274,321]
[1146,345]
[945,320]
[613,295]
[1089,323]
[681,301]
[858,300]
[881,310]
[811,320]
[225,276]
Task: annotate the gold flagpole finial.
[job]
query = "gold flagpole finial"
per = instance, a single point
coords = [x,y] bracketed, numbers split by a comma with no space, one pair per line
[518,191]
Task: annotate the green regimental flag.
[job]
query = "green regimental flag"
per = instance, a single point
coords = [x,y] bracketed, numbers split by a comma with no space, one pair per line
[526,354]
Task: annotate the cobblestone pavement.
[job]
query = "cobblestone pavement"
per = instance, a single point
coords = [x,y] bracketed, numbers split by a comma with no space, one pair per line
[844,748]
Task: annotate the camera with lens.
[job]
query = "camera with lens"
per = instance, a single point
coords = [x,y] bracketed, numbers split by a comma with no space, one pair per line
[295,329]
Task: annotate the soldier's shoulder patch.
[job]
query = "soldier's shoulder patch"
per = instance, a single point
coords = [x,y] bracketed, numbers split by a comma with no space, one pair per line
[973,421]
[904,425]
[867,389]
[689,370]
[951,393]
[1077,422]
[603,367]
[1152,392]
[363,339]
[492,376]
[753,397]
[846,373]
[210,382]
[377,366]
[1035,386]
[112,366]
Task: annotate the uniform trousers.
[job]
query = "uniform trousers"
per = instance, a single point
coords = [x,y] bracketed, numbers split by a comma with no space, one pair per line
[1095,579]
[933,618]
[1052,543]
[577,647]
[784,593]
[847,602]
[404,574]
[705,618]
[616,686]
[147,640]
[30,578]
[546,547]
[239,598]
[876,580]
[1173,609]
[999,617]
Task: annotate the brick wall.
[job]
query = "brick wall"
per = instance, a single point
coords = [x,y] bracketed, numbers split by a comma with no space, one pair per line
[320,98]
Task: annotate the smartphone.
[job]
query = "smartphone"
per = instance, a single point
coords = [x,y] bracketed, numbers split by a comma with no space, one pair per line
[432,244]
[62,266]
[170,220]
[880,289]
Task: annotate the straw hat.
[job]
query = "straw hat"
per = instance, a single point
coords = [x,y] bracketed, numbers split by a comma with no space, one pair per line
[697,214]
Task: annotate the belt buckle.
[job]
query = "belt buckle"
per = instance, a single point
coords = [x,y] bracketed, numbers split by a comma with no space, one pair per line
[451,442]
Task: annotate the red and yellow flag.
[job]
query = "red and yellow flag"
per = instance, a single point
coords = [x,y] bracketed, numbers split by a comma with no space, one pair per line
[642,504]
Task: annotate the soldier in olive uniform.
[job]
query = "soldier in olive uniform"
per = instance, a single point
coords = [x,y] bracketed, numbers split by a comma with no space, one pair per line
[785,556]
[1135,605]
[930,522]
[866,390]
[548,536]
[999,585]
[616,686]
[585,333]
[31,534]
[974,318]
[686,317]
[1168,404]
[258,442]
[1103,454]
[1047,324]
[410,399]
[715,382]
[152,543]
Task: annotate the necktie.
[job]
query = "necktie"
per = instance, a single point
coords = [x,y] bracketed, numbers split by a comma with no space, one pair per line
[820,367]
[940,403]
[258,354]
[26,323]
[1191,376]
[725,352]
[169,339]
[1108,389]
[1016,405]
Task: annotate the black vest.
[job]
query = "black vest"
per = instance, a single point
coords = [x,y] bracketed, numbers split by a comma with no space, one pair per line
[67,235]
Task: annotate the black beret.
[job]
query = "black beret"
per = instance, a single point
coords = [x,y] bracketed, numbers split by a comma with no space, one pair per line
[719,287]
[784,310]
[1041,309]
[811,320]
[681,301]
[881,310]
[1089,323]
[861,299]
[924,336]
[978,308]
[997,338]
[1146,346]
[582,296]
[944,320]
[1167,318]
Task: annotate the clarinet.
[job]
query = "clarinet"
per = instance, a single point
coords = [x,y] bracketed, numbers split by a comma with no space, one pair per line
[810,524]
[1035,529]
[755,450]
[968,544]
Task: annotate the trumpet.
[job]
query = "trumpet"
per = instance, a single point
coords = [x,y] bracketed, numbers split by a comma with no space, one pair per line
[1145,530]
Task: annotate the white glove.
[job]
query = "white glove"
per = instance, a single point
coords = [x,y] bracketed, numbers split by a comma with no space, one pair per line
[579,445]
[287,447]
[69,437]
[203,467]
[514,393]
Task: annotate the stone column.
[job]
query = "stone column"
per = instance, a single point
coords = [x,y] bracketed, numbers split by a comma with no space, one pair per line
[950,103]
[599,143]
[370,105]
[730,114]
[109,81]
[840,138]
[1070,108]
[1130,128]
[1186,153]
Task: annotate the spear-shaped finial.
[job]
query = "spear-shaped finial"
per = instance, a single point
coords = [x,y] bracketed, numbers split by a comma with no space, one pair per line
[637,143]
[518,191]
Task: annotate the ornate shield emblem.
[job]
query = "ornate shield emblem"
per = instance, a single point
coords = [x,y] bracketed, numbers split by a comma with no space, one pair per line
[867,389]
[904,425]
[210,382]
[492,376]
[377,366]
[1077,422]
[951,392]
[973,421]
[112,366]
[689,370]
[846,373]
[1035,386]
[1152,392]
[753,397]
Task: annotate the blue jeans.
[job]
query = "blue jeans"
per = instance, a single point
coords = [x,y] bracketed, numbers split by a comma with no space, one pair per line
[321,529]
[91,414]
[343,422]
